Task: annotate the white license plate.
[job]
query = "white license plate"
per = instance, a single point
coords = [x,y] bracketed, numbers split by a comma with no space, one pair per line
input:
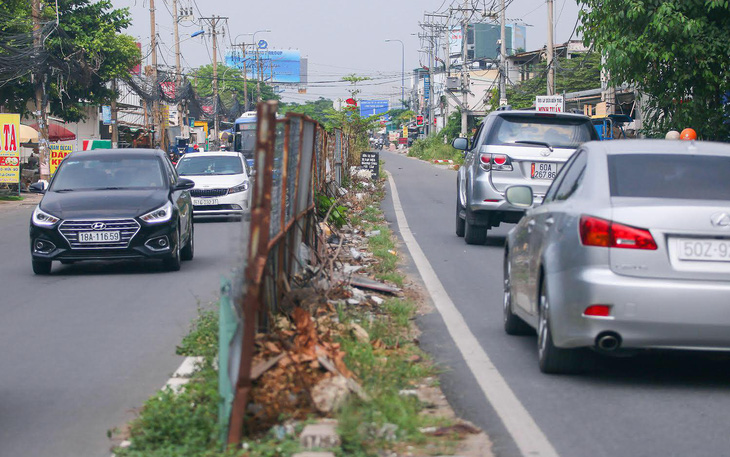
[99,237]
[205,201]
[703,249]
[543,170]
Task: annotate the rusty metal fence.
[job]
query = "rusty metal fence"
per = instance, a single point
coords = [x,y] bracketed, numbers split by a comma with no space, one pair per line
[295,159]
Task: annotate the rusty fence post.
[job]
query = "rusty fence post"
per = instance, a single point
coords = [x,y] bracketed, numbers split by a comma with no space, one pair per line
[256,262]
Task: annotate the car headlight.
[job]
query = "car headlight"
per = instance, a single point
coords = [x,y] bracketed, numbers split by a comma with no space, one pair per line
[43,219]
[239,188]
[161,214]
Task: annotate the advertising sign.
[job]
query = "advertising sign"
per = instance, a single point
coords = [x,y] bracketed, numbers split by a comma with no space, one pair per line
[58,153]
[9,148]
[550,103]
[405,131]
[106,114]
[372,107]
[279,66]
[426,87]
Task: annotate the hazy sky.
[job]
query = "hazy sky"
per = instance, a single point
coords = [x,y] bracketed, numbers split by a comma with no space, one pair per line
[339,37]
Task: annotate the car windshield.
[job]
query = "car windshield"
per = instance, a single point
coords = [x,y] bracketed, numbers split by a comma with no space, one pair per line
[674,176]
[209,165]
[78,173]
[556,131]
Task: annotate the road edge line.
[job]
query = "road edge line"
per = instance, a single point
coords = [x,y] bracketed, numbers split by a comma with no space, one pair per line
[527,435]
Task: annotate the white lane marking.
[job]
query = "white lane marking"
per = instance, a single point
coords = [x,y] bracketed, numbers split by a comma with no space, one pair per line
[527,435]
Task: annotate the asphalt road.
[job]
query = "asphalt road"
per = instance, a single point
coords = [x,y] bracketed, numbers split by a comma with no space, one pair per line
[664,404]
[80,349]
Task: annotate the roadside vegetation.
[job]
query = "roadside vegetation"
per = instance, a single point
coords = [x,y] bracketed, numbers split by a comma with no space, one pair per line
[382,355]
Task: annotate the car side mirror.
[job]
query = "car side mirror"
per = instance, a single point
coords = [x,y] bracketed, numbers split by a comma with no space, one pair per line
[519,196]
[38,187]
[461,144]
[184,184]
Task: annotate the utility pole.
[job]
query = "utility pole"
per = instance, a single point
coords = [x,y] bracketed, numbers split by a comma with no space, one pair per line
[115,127]
[214,20]
[39,78]
[258,73]
[245,79]
[157,137]
[502,56]
[178,68]
[550,50]
[464,74]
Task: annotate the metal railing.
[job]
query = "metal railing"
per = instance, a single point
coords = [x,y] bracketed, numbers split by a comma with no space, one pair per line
[295,158]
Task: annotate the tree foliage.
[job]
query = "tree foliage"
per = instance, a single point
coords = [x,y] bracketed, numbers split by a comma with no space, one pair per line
[571,75]
[320,110]
[231,82]
[674,51]
[87,49]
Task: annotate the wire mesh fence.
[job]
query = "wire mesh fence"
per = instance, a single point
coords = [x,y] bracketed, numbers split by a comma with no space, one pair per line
[295,160]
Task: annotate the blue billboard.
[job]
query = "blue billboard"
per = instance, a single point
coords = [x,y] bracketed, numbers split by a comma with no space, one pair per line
[276,65]
[372,107]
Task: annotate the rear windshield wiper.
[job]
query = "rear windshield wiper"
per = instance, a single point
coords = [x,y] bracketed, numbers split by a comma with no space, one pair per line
[63,190]
[108,188]
[538,143]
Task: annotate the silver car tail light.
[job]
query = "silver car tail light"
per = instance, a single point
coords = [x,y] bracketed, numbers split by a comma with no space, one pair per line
[599,232]
[496,162]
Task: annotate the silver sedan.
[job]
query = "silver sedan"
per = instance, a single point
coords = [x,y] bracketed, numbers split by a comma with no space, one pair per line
[630,249]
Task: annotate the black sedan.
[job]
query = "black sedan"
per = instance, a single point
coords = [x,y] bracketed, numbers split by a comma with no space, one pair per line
[113,204]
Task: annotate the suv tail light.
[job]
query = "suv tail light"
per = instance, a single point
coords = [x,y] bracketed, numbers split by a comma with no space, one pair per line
[601,232]
[496,162]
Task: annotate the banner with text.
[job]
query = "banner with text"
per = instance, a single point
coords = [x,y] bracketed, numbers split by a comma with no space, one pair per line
[9,148]
[58,153]
[550,103]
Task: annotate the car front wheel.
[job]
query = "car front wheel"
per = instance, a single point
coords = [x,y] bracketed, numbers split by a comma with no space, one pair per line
[172,263]
[188,251]
[460,223]
[513,325]
[42,267]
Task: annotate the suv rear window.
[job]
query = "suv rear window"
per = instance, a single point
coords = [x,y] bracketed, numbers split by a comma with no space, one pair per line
[691,177]
[559,132]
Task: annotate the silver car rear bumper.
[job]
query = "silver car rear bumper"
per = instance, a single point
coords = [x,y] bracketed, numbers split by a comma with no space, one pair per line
[646,313]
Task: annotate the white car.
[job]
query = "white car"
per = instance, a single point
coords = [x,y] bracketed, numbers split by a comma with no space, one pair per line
[221,182]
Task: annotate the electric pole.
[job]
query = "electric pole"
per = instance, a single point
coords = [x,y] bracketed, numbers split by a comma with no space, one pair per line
[464,74]
[157,137]
[550,50]
[39,78]
[115,127]
[178,68]
[214,34]
[502,56]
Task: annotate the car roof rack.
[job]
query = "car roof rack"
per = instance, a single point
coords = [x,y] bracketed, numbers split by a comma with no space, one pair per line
[505,108]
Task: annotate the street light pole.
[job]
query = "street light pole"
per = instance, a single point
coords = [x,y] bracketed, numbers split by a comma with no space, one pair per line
[402,72]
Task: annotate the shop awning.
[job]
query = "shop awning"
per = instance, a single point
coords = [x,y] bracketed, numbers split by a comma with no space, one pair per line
[58,132]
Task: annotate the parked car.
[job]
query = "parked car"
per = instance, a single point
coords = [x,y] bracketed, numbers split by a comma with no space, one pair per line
[629,250]
[221,182]
[113,204]
[511,147]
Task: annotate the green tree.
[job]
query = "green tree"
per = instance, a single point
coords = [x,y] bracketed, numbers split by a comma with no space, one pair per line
[84,52]
[230,82]
[320,110]
[674,51]
[571,75]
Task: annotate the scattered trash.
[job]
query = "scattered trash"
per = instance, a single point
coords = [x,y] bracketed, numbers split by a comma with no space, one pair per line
[355,254]
[330,394]
[377,300]
[373,233]
[359,333]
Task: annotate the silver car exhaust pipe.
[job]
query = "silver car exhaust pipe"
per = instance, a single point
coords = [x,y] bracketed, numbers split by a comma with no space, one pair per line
[608,341]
